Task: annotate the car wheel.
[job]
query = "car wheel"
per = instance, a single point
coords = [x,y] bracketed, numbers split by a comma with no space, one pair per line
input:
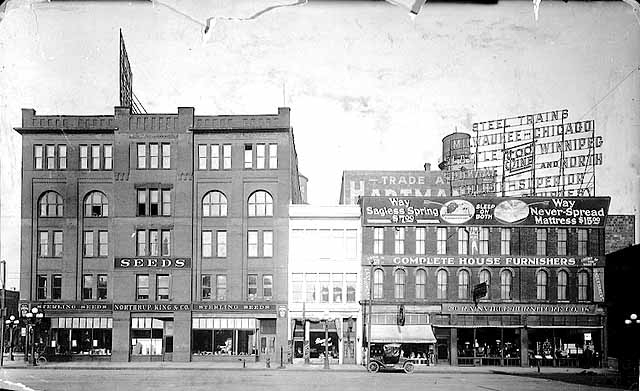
[408,367]
[374,367]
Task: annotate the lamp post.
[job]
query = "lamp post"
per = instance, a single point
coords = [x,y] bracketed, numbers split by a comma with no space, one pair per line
[11,323]
[371,263]
[33,317]
[326,340]
[633,319]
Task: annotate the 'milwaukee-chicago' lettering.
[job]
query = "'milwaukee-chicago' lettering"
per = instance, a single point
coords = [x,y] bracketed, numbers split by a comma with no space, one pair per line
[485,261]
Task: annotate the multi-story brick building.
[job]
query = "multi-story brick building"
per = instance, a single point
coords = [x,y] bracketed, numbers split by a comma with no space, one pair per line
[158,236]
[541,260]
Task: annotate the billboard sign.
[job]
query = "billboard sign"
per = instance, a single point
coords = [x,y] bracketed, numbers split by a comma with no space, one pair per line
[393,183]
[518,159]
[491,261]
[494,211]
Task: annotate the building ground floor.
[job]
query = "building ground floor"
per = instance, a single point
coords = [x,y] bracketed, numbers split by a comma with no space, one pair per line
[560,335]
[162,332]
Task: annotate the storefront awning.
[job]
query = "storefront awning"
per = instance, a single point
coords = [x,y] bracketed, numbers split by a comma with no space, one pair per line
[412,333]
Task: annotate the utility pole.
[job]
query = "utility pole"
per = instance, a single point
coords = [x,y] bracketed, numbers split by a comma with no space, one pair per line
[3,264]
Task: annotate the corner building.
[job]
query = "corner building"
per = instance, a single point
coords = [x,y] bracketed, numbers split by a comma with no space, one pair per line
[542,260]
[158,236]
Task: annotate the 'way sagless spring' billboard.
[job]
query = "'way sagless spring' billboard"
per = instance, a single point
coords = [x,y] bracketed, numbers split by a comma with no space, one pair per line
[529,211]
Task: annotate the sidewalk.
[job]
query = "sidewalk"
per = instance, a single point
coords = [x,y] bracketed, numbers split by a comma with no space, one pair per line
[19,363]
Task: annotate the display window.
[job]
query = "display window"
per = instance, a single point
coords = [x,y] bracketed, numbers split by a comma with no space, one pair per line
[81,336]
[151,336]
[224,336]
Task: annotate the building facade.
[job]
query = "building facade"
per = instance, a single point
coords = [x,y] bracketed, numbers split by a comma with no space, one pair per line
[324,283]
[158,236]
[540,259]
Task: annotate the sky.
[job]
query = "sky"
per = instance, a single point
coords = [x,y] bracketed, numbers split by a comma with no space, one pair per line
[369,86]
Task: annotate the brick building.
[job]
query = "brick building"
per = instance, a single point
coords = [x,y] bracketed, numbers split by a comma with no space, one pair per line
[619,232]
[158,236]
[543,270]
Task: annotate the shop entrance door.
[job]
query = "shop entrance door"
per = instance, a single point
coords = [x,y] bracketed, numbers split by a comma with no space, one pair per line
[167,341]
[442,352]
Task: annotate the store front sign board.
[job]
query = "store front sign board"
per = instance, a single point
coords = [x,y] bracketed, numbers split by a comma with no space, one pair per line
[152,263]
[482,261]
[72,307]
[234,307]
[528,309]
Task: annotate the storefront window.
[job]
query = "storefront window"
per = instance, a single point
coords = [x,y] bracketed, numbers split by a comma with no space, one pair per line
[83,336]
[146,336]
[222,336]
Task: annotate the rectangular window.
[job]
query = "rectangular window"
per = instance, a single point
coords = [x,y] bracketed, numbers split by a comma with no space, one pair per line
[267,286]
[324,287]
[260,156]
[562,285]
[142,286]
[484,240]
[166,156]
[351,281]
[166,243]
[215,157]
[37,157]
[541,241]
[57,243]
[84,157]
[336,287]
[87,287]
[273,156]
[43,241]
[142,156]
[221,244]
[562,241]
[583,285]
[378,284]
[206,287]
[102,286]
[583,240]
[154,154]
[154,202]
[56,287]
[226,156]
[142,202]
[398,240]
[202,157]
[421,236]
[505,241]
[252,284]
[62,157]
[252,241]
[88,244]
[352,243]
[154,249]
[103,243]
[267,243]
[95,157]
[141,248]
[248,156]
[166,202]
[108,157]
[51,157]
[463,241]
[41,287]
[162,287]
[311,282]
[221,287]
[441,240]
[207,244]
[378,240]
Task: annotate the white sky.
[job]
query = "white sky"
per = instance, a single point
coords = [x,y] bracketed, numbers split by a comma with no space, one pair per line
[368,87]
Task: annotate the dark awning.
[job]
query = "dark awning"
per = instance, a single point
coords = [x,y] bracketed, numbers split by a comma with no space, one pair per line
[412,333]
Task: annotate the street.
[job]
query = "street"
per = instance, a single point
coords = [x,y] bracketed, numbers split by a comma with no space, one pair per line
[236,379]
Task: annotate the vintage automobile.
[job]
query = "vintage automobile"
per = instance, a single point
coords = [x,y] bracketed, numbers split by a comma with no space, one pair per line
[391,359]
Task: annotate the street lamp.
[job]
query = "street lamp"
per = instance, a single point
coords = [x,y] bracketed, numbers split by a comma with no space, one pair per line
[326,340]
[633,318]
[33,318]
[11,323]
[371,263]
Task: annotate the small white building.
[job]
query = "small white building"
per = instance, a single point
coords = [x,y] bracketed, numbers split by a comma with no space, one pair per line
[324,281]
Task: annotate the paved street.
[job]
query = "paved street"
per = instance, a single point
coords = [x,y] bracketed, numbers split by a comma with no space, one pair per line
[236,379]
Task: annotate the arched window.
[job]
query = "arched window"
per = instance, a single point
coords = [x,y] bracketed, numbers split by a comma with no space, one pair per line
[583,285]
[260,204]
[463,284]
[421,283]
[505,284]
[399,280]
[485,277]
[51,204]
[214,204]
[541,285]
[96,204]
[562,285]
[442,278]
[378,284]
